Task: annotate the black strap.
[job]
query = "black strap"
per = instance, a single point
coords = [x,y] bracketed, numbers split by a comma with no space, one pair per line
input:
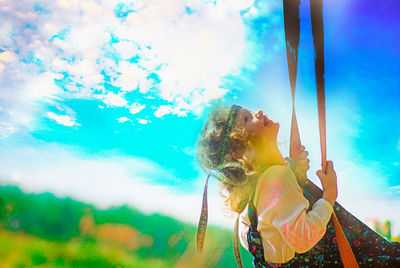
[254,240]
[317,26]
[292,37]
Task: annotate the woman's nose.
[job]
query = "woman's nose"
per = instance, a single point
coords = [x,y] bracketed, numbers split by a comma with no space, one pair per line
[259,114]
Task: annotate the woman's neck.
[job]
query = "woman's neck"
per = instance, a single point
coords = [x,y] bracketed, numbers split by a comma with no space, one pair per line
[269,155]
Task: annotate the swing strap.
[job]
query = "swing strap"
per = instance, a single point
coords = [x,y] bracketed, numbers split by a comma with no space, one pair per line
[317,24]
[292,34]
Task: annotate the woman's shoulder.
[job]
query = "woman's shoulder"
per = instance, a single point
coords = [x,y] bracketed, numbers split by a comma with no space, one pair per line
[277,174]
[278,171]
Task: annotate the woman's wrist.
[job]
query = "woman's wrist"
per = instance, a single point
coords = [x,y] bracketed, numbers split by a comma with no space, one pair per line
[330,196]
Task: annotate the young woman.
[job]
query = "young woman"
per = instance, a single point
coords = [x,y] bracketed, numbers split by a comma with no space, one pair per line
[284,220]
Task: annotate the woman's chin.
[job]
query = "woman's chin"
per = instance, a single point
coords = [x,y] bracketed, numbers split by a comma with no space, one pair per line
[276,129]
[276,125]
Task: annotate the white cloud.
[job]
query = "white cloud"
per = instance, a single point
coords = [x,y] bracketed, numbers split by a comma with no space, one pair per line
[127,49]
[131,77]
[35,56]
[113,99]
[163,110]
[62,119]
[199,50]
[179,57]
[123,119]
[22,97]
[143,121]
[136,108]
[8,56]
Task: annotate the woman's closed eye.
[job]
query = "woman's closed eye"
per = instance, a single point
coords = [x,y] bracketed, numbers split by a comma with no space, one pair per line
[247,118]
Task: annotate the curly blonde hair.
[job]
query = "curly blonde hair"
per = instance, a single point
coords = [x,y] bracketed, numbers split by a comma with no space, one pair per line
[239,142]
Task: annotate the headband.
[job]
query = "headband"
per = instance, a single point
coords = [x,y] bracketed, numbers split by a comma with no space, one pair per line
[217,173]
[227,131]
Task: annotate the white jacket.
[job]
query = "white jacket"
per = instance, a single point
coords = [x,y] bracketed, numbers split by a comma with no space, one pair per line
[283,221]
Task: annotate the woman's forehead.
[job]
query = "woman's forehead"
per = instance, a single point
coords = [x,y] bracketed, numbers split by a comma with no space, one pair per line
[244,111]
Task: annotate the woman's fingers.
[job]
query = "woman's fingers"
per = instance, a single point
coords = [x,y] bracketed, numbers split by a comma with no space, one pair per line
[301,161]
[304,161]
[329,182]
[329,167]
[302,154]
[301,149]
[329,176]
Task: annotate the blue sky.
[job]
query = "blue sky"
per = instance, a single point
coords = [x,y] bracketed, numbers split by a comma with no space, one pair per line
[103,101]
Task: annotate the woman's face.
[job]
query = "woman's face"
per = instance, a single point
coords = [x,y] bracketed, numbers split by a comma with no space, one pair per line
[258,124]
